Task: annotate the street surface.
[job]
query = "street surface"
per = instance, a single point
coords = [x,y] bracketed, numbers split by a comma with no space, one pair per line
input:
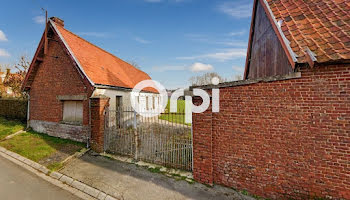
[18,183]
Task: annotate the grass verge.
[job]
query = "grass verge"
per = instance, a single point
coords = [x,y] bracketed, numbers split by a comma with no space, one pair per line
[46,150]
[178,117]
[8,127]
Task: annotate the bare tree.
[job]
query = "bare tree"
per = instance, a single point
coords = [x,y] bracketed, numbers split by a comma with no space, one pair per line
[15,80]
[134,63]
[205,79]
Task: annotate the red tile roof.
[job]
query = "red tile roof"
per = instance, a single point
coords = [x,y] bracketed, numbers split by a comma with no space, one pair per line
[100,66]
[323,26]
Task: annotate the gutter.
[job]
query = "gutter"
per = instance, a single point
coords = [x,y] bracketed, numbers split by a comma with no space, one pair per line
[28,110]
[100,86]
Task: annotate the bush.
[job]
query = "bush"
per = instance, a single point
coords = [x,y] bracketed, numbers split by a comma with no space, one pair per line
[13,108]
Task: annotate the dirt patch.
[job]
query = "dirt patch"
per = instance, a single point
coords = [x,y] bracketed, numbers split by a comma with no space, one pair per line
[60,155]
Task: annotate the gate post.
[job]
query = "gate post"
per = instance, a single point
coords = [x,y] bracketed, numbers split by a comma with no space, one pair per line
[97,124]
[136,136]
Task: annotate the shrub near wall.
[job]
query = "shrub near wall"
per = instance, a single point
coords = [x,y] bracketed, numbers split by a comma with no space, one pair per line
[14,109]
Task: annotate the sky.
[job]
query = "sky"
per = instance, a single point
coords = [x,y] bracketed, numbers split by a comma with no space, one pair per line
[171,40]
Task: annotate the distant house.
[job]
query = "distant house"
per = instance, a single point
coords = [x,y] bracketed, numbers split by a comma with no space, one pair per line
[5,91]
[66,74]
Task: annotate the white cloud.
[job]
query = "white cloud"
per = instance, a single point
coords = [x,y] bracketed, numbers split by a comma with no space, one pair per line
[237,33]
[225,55]
[200,67]
[196,67]
[3,36]
[94,34]
[140,40]
[4,53]
[39,19]
[236,9]
[234,43]
[153,1]
[238,69]
[169,68]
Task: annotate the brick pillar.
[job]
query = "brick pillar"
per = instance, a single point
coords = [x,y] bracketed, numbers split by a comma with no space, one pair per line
[202,145]
[98,106]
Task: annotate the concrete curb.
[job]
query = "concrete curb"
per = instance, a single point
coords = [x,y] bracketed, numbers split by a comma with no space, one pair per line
[167,171]
[67,183]
[13,135]
[76,155]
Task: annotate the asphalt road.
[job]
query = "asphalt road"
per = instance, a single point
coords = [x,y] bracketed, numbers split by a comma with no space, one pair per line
[18,183]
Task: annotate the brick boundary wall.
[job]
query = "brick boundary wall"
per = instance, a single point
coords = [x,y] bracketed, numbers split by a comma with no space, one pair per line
[286,139]
[98,107]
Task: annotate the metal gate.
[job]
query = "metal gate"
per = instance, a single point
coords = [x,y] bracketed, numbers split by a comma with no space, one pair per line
[165,140]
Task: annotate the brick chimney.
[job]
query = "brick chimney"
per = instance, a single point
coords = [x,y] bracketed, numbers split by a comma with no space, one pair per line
[58,21]
[8,70]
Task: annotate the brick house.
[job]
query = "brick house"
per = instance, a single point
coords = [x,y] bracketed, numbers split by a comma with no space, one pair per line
[66,73]
[284,131]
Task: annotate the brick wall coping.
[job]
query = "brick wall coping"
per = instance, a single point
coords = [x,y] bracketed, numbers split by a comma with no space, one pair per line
[251,81]
[99,97]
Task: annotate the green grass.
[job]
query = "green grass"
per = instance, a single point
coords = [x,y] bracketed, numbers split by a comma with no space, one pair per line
[8,127]
[154,170]
[178,117]
[55,166]
[36,146]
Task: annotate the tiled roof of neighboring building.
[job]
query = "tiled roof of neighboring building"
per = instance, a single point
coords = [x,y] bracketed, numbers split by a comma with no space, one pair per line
[322,26]
[1,77]
[100,66]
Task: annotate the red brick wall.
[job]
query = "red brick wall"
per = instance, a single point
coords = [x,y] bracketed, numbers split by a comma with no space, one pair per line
[98,108]
[56,76]
[283,139]
[202,127]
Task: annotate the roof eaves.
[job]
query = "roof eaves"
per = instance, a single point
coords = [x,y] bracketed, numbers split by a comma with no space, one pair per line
[310,57]
[23,87]
[279,32]
[250,42]
[71,52]
[102,86]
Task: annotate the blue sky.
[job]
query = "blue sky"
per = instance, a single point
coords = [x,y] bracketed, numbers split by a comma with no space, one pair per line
[171,40]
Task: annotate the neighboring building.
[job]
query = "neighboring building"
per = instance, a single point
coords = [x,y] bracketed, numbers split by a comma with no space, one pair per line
[4,90]
[63,77]
[286,35]
[284,131]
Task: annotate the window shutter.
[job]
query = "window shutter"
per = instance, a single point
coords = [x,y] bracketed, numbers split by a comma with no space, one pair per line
[79,111]
[73,111]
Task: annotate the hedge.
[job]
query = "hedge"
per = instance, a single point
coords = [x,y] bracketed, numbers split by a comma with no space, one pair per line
[14,109]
